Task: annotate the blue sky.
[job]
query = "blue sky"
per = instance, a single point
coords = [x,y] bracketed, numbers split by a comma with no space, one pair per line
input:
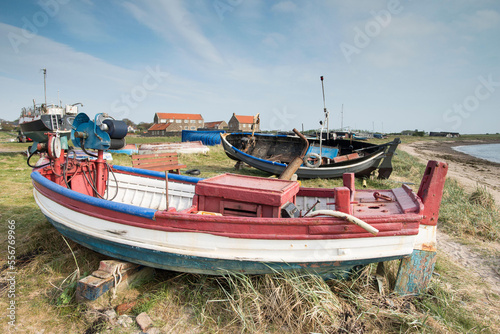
[394,65]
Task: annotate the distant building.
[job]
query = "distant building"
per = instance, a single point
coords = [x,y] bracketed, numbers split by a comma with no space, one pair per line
[219,125]
[444,134]
[179,122]
[242,123]
[130,129]
[159,129]
[407,132]
[415,133]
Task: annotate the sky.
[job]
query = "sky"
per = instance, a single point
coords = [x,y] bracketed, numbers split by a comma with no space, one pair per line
[389,65]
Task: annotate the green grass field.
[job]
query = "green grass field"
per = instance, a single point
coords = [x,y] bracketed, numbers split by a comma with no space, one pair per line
[47,267]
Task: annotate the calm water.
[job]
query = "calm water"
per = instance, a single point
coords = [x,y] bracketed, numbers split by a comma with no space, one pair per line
[489,152]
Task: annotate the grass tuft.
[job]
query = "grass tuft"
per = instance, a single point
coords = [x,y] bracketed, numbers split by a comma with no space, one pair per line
[283,302]
[483,198]
[474,215]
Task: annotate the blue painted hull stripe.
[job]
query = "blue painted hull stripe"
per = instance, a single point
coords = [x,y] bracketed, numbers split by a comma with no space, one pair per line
[97,202]
[154,173]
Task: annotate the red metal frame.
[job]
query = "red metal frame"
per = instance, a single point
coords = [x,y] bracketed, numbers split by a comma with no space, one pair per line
[431,190]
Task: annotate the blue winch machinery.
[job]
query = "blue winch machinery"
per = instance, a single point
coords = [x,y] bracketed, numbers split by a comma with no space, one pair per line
[101,134]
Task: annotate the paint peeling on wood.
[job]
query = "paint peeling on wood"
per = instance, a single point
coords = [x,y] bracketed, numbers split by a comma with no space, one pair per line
[103,280]
[431,247]
[415,272]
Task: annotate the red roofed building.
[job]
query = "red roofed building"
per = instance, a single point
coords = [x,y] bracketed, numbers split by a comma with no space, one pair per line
[159,129]
[179,122]
[220,125]
[242,123]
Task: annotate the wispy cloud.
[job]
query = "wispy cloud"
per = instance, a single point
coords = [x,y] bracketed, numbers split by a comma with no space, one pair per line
[78,76]
[263,56]
[175,24]
[480,20]
[78,18]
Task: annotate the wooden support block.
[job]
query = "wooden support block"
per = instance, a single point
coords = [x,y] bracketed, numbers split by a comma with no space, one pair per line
[415,272]
[380,277]
[103,280]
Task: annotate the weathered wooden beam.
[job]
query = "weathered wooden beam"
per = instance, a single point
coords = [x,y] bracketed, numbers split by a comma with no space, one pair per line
[110,273]
[415,272]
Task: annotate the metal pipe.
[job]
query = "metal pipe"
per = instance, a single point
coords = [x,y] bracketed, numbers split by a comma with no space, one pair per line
[312,207]
[45,84]
[297,161]
[100,177]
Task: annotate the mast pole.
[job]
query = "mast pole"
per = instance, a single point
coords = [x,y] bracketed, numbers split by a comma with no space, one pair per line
[45,84]
[342,118]
[326,111]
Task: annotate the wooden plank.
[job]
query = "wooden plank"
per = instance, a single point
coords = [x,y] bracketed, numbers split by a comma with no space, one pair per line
[415,272]
[167,154]
[351,228]
[158,162]
[159,165]
[406,201]
[346,157]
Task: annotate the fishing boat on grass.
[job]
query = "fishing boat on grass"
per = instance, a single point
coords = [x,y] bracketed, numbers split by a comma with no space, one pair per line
[235,223]
[35,121]
[325,158]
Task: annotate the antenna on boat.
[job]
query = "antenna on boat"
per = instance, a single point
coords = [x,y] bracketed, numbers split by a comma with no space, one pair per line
[324,109]
[45,84]
[342,118]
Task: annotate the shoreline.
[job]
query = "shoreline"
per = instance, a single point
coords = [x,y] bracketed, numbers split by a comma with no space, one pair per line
[468,170]
[464,149]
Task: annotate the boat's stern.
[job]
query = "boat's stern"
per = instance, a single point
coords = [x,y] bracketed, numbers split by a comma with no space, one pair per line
[385,167]
[416,270]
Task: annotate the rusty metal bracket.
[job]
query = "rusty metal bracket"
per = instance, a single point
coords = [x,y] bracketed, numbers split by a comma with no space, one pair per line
[378,196]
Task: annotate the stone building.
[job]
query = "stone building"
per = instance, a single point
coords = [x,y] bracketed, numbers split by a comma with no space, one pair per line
[242,123]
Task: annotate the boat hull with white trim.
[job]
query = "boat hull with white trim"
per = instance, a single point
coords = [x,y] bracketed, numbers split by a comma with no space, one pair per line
[232,223]
[273,153]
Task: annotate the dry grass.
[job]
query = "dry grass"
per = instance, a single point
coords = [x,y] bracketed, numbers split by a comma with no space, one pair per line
[483,198]
[278,303]
[474,215]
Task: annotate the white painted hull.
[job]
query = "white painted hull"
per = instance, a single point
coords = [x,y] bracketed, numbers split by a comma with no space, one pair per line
[219,247]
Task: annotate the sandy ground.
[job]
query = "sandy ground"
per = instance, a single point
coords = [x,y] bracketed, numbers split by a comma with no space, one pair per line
[469,172]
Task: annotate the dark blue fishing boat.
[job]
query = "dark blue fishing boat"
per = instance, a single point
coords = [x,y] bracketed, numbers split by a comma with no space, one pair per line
[329,158]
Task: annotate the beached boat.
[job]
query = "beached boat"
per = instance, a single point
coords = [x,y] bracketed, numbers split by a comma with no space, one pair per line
[334,157]
[192,147]
[237,223]
[37,120]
